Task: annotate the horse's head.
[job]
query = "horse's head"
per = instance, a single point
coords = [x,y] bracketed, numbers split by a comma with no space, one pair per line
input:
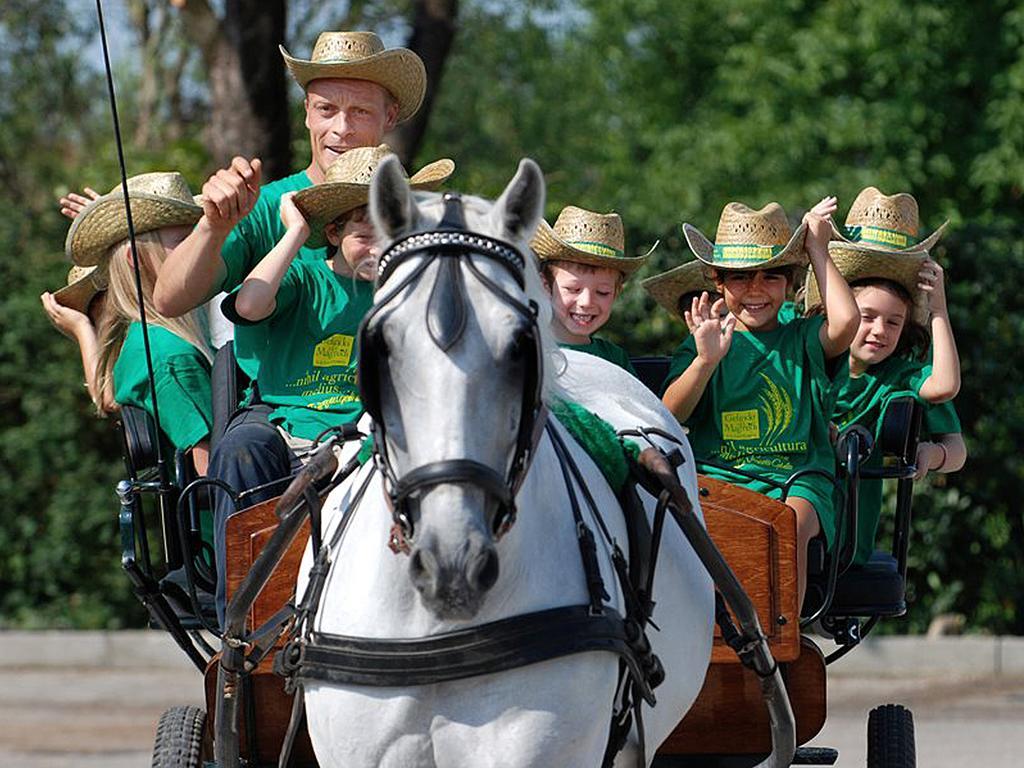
[452,373]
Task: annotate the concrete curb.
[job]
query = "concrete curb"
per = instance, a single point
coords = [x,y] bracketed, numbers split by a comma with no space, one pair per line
[966,656]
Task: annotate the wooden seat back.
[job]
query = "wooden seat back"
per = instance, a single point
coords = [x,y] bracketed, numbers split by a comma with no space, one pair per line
[757,537]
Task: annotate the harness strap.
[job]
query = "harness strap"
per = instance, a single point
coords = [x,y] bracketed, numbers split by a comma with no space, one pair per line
[494,647]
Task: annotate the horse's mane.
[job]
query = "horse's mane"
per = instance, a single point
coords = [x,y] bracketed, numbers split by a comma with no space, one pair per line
[477,211]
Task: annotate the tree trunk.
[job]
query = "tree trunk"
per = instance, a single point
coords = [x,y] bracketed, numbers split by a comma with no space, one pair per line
[248,91]
[433,31]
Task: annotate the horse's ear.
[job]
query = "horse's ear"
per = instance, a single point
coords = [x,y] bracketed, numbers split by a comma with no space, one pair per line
[392,208]
[518,211]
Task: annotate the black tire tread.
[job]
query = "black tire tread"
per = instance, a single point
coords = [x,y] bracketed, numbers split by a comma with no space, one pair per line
[891,737]
[179,738]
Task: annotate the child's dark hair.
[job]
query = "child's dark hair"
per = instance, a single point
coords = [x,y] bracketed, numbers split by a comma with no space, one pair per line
[719,275]
[356,214]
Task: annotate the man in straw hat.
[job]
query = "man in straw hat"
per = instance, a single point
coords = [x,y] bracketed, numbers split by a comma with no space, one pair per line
[900,294]
[355,91]
[305,316]
[756,393]
[584,265]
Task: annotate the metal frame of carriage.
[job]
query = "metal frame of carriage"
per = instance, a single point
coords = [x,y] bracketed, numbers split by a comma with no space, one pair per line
[843,603]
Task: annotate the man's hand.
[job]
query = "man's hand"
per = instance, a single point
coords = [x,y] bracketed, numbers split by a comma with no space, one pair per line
[72,203]
[711,332]
[231,193]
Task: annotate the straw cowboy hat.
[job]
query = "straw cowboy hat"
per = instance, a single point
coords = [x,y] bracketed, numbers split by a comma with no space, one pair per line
[668,287]
[347,186]
[362,56]
[748,239]
[899,267]
[83,284]
[880,240]
[158,200]
[586,237]
[880,223]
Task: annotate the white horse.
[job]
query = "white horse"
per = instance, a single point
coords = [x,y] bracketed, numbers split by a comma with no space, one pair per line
[454,364]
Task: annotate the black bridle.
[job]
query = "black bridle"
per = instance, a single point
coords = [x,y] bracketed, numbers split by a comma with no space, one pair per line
[451,243]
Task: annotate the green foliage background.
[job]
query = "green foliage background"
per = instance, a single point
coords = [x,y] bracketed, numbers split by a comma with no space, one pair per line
[661,110]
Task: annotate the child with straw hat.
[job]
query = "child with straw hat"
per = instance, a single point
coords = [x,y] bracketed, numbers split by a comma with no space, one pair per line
[584,265]
[754,392]
[900,293]
[306,316]
[163,213]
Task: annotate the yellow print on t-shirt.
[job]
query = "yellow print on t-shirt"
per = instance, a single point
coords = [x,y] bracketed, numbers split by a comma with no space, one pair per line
[777,406]
[740,425]
[334,350]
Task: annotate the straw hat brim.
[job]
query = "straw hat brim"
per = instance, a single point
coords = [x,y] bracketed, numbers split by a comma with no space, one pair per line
[102,223]
[398,69]
[550,247]
[323,203]
[924,245]
[856,264]
[792,254]
[79,294]
[667,287]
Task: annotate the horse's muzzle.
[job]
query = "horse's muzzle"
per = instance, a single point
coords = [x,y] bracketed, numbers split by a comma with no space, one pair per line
[454,588]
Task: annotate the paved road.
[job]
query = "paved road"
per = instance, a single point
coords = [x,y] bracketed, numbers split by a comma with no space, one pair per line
[91,717]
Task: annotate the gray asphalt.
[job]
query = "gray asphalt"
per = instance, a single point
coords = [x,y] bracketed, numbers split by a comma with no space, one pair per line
[85,717]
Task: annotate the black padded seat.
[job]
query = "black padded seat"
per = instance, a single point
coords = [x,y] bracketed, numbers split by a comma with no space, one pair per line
[139,432]
[652,371]
[875,588]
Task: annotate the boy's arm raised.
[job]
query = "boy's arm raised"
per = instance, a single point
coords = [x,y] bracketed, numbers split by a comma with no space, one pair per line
[194,271]
[257,298]
[841,314]
[944,382]
[713,337]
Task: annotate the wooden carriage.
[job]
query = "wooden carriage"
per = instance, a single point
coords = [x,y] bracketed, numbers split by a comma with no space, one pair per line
[728,724]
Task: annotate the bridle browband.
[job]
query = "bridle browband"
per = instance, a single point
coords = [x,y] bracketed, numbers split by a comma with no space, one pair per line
[449,240]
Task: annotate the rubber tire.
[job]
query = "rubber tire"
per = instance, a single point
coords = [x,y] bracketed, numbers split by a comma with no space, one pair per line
[179,738]
[891,737]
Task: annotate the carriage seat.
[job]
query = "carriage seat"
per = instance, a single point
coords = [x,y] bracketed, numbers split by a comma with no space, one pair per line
[138,432]
[878,587]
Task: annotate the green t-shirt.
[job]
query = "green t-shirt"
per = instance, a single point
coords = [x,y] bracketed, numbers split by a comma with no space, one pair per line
[766,411]
[252,239]
[604,349]
[306,348]
[863,400]
[182,376]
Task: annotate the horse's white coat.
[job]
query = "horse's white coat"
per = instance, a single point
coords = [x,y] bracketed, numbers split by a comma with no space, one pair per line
[555,713]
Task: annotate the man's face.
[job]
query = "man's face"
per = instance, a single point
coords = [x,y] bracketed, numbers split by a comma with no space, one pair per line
[342,114]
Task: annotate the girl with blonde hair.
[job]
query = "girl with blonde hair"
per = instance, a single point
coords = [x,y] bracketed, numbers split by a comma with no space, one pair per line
[163,213]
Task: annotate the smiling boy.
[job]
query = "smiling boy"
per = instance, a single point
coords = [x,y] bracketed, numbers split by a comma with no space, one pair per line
[755,392]
[584,266]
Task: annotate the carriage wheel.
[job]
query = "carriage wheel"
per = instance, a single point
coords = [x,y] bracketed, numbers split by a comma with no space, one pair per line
[891,737]
[180,738]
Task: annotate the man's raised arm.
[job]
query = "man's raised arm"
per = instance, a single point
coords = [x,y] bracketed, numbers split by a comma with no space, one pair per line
[194,271]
